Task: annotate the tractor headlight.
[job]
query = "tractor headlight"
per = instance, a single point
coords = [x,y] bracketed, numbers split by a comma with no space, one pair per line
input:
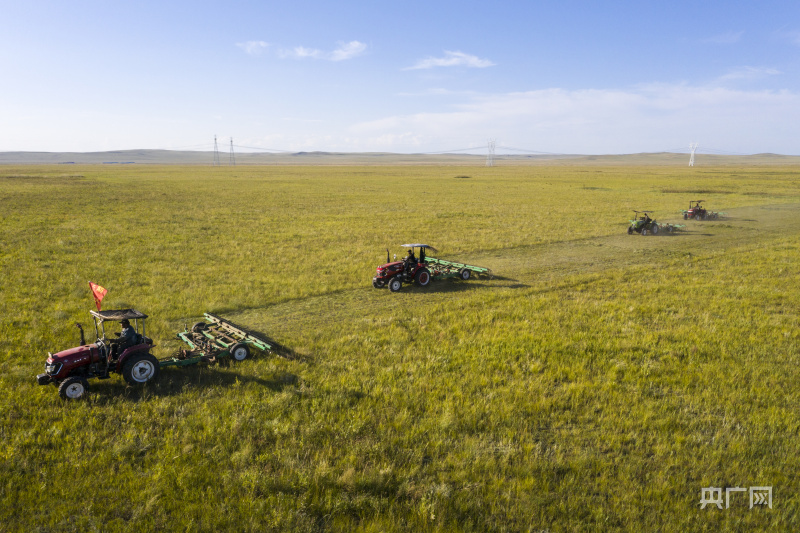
[52,368]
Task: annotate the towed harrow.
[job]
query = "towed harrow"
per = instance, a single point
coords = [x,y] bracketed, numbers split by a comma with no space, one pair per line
[213,340]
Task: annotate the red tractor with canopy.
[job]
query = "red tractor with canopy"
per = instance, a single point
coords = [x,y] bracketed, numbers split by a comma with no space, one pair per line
[71,369]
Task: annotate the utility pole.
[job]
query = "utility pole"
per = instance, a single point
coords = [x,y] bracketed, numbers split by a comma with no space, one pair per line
[216,152]
[232,160]
[693,148]
[490,154]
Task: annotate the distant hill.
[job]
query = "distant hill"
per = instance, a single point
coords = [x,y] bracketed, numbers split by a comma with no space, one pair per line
[173,157]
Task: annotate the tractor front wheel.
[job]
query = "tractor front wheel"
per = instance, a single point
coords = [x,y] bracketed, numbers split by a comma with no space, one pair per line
[239,352]
[395,284]
[630,230]
[685,216]
[140,369]
[73,388]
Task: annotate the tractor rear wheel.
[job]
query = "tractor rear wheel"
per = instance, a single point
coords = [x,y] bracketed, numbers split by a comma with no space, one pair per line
[423,277]
[73,388]
[395,284]
[464,273]
[140,369]
[239,352]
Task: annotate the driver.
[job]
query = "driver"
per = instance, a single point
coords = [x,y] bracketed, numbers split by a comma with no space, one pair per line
[127,337]
[410,260]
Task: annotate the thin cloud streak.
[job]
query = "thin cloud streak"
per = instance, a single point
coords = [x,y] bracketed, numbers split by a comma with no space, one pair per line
[253,48]
[452,59]
[731,37]
[749,73]
[343,52]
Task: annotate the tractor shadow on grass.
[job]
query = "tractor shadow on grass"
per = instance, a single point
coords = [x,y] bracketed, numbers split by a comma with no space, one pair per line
[177,380]
[453,285]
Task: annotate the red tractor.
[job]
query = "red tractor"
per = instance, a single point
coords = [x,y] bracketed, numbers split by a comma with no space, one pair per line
[698,212]
[71,369]
[411,269]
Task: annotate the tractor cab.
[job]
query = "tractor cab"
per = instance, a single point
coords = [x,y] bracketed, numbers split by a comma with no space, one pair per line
[131,315]
[412,268]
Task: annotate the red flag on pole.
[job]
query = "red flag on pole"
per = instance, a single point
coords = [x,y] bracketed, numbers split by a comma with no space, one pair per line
[98,292]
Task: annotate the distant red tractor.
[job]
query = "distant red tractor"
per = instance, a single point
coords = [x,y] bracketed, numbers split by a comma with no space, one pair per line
[421,270]
[410,270]
[71,369]
[698,212]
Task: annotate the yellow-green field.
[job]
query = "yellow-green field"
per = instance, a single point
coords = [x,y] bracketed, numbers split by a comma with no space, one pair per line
[598,383]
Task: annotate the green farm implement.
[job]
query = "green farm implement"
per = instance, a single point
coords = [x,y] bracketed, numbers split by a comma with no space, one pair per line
[451,269]
[214,340]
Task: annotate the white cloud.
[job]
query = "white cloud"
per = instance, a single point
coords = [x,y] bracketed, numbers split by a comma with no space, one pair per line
[347,51]
[452,59]
[644,119]
[343,52]
[749,73]
[253,48]
[730,37]
[300,52]
[790,36]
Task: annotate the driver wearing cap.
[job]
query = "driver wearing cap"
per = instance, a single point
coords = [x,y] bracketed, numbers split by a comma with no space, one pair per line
[127,337]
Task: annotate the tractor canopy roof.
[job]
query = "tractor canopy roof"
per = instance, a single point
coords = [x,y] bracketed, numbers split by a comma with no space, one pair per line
[642,212]
[419,246]
[698,201]
[118,314]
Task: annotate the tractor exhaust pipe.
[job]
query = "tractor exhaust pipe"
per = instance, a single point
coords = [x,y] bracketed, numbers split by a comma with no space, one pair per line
[387,256]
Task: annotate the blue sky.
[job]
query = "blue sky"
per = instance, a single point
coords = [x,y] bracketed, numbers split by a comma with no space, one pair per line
[560,77]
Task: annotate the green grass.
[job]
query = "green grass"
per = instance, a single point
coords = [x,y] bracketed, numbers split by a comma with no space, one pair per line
[596,384]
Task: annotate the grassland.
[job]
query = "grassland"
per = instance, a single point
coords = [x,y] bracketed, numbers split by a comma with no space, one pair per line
[596,384]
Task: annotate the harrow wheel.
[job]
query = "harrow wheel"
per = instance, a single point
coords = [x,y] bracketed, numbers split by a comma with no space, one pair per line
[239,352]
[655,229]
[465,274]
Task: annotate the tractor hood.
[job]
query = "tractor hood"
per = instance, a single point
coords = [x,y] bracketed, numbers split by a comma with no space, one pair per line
[392,265]
[72,354]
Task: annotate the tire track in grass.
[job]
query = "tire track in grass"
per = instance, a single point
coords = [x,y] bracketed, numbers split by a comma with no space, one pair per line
[542,267]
